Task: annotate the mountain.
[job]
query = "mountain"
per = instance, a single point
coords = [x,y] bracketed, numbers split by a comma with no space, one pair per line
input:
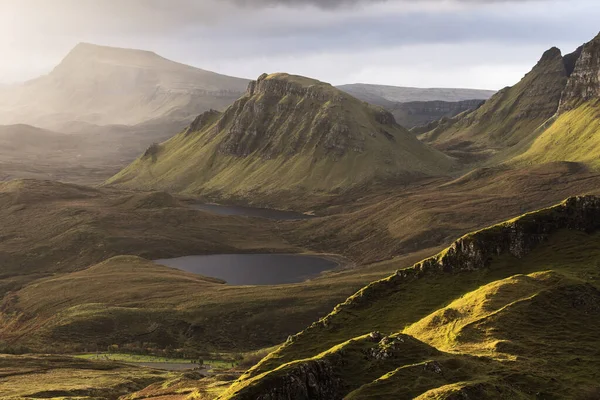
[510,118]
[397,94]
[573,133]
[287,134]
[475,321]
[106,86]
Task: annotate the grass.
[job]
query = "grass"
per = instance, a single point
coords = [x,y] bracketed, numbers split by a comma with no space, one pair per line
[573,136]
[510,117]
[531,312]
[59,377]
[322,143]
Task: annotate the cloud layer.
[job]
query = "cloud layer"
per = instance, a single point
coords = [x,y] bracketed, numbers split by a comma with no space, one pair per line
[485,43]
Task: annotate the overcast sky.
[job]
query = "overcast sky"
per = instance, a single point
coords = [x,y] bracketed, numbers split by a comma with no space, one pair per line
[437,43]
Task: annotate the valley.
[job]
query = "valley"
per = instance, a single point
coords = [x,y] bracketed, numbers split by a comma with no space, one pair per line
[170,233]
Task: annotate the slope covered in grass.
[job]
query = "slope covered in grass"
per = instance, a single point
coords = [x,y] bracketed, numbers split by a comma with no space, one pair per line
[57,377]
[288,134]
[573,136]
[511,117]
[524,294]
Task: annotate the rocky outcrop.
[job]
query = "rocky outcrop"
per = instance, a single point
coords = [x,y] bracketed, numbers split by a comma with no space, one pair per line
[475,251]
[307,113]
[510,117]
[310,380]
[584,81]
[203,120]
[327,378]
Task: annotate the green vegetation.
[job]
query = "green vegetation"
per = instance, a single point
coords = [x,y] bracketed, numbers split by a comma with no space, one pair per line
[509,119]
[288,134]
[573,136]
[59,377]
[512,309]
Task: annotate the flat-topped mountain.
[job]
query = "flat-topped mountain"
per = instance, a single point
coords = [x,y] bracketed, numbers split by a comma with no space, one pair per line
[287,133]
[105,85]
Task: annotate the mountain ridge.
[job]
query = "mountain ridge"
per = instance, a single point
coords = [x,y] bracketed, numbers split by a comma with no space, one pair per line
[314,135]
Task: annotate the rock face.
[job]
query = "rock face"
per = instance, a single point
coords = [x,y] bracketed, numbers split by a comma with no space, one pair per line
[309,114]
[584,82]
[312,380]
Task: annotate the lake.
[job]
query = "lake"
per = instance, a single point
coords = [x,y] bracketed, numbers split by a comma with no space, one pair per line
[252,212]
[254,269]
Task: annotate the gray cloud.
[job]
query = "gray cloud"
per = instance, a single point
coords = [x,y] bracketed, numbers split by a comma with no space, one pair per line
[246,37]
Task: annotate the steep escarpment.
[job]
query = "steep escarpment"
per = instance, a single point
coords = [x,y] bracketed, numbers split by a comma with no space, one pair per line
[469,298]
[584,81]
[572,135]
[285,135]
[509,118]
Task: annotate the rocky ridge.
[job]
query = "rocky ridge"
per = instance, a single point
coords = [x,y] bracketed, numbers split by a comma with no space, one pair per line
[584,82]
[517,238]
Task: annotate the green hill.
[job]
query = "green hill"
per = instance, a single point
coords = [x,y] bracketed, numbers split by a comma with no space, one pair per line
[507,311]
[288,134]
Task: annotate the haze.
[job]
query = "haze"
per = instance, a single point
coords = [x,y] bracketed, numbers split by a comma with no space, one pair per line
[476,44]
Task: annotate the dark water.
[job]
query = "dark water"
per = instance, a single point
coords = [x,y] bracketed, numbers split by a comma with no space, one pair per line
[253,269]
[252,212]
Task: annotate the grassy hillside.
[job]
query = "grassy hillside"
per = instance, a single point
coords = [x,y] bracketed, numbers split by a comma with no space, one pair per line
[572,136]
[521,294]
[509,118]
[288,134]
[57,377]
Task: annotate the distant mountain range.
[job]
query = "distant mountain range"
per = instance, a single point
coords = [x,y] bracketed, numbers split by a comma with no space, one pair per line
[126,99]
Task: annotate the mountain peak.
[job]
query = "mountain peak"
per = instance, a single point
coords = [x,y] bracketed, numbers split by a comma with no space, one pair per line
[551,54]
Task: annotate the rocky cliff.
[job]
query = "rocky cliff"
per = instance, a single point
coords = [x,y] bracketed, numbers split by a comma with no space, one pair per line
[584,81]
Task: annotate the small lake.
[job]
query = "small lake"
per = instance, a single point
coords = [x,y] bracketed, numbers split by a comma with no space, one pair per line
[254,269]
[252,212]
